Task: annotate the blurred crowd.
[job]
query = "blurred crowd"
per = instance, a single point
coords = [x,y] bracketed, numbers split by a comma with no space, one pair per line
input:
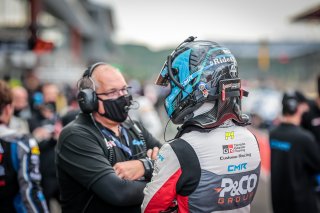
[42,109]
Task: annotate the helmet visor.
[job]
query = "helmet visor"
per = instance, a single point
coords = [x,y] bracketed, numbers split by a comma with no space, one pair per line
[163,78]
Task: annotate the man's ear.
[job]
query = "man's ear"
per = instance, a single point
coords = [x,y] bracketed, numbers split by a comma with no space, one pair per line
[10,110]
[6,114]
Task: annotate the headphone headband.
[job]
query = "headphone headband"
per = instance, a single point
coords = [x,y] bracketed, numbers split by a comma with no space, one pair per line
[88,72]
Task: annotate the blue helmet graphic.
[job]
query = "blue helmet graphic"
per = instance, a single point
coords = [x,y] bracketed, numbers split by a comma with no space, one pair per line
[198,72]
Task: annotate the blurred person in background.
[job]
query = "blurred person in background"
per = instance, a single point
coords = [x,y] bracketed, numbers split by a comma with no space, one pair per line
[145,112]
[72,109]
[311,119]
[45,125]
[213,164]
[22,111]
[20,178]
[103,159]
[311,122]
[21,102]
[31,82]
[295,159]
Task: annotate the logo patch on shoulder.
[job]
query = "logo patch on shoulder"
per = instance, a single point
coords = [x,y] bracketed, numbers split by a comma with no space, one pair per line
[137,142]
[160,157]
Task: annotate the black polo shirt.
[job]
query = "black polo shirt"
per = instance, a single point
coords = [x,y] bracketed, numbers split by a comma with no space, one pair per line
[311,121]
[295,160]
[86,177]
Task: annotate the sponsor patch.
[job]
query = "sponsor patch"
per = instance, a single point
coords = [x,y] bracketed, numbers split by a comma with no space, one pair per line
[35,150]
[160,157]
[244,155]
[229,135]
[280,145]
[227,149]
[234,148]
[137,142]
[226,59]
[237,167]
[110,144]
[236,190]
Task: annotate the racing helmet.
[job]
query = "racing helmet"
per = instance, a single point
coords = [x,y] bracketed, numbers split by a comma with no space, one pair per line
[198,72]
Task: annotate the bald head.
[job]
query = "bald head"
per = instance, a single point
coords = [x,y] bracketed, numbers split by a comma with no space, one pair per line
[107,77]
[104,74]
[20,98]
[101,74]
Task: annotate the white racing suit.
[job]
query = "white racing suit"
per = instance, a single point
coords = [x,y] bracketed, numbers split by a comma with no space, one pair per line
[205,171]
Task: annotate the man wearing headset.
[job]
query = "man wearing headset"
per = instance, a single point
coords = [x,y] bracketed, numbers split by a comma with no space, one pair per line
[295,159]
[104,161]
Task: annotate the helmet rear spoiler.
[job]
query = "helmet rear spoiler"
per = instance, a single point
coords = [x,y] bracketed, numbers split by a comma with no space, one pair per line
[229,88]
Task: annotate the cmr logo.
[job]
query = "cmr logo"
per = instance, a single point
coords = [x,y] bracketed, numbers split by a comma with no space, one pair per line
[229,135]
[227,149]
[239,167]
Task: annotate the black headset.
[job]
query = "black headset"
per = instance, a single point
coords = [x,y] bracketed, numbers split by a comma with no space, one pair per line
[290,103]
[87,97]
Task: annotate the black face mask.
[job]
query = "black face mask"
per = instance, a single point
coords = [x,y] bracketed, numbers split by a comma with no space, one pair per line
[17,112]
[117,109]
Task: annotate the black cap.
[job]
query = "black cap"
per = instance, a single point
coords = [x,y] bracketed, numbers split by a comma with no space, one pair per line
[296,95]
[291,100]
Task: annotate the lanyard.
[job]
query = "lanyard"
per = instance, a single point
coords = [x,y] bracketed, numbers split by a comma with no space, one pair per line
[118,143]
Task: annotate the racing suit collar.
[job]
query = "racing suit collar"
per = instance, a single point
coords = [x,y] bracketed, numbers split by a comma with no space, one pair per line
[5,131]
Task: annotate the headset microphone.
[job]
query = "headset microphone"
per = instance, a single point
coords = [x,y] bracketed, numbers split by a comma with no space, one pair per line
[134,105]
[126,108]
[191,38]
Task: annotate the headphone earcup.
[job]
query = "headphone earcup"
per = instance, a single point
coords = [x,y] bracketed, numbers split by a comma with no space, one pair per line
[87,99]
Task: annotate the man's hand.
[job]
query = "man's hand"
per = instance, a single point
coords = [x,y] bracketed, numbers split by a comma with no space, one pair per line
[134,169]
[41,134]
[153,153]
[129,170]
